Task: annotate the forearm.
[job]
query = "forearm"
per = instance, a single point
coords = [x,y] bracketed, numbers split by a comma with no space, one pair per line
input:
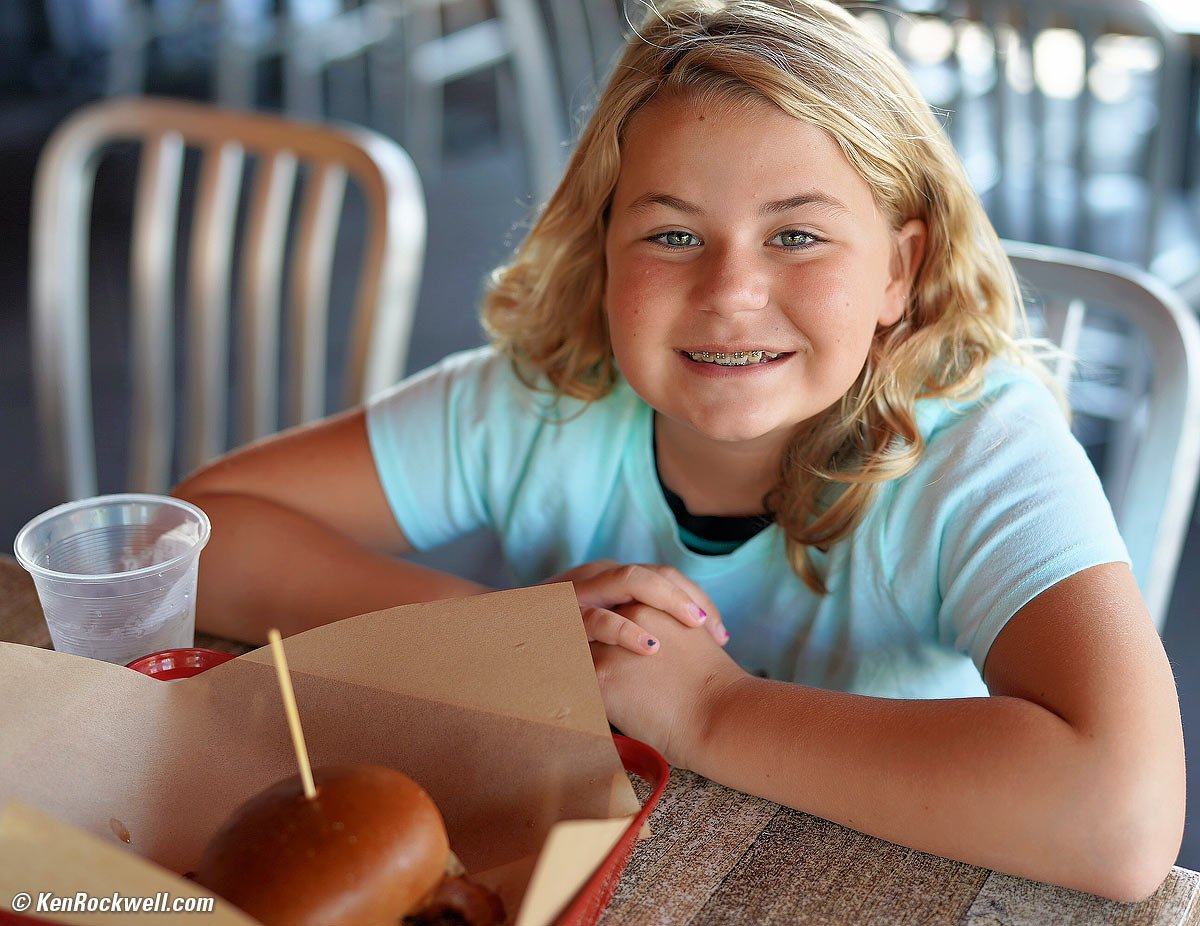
[270,566]
[998,782]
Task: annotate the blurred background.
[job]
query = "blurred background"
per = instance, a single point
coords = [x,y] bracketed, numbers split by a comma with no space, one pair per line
[1077,120]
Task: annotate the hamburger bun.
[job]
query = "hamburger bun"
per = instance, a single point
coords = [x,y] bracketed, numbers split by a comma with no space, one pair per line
[368,849]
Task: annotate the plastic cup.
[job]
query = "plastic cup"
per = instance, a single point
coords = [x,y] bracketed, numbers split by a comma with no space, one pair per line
[116,574]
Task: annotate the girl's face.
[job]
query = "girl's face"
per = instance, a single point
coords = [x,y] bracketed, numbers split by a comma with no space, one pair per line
[743,232]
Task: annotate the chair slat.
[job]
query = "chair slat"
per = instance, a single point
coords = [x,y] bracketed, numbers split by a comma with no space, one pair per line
[262,271]
[1064,325]
[156,210]
[1166,147]
[311,273]
[209,285]
[570,25]
[1001,106]
[62,197]
[380,334]
[1083,226]
[606,27]
[543,126]
[1035,23]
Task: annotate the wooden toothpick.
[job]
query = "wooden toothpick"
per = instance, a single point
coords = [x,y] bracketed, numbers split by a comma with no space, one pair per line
[293,715]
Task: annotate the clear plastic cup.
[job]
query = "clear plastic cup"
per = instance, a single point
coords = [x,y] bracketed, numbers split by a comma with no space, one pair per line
[116,574]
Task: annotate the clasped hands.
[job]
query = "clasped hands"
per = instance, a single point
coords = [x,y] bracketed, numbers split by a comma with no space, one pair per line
[656,642]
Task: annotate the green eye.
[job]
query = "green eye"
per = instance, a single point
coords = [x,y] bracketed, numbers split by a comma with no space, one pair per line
[677,239]
[795,239]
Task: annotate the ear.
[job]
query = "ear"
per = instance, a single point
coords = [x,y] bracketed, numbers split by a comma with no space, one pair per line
[907,253]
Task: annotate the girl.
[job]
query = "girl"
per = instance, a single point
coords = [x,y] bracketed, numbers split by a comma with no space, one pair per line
[754,370]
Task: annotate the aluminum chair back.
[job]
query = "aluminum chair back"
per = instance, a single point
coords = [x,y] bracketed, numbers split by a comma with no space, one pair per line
[278,238]
[1132,373]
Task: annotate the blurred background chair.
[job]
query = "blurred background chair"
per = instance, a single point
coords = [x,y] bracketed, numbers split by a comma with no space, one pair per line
[587,36]
[1132,373]
[510,38]
[268,207]
[387,63]
[1070,115]
[184,32]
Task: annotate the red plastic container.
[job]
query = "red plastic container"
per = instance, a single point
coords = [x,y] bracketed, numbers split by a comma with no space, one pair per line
[171,664]
[638,759]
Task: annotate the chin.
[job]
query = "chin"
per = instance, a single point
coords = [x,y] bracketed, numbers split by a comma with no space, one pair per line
[736,429]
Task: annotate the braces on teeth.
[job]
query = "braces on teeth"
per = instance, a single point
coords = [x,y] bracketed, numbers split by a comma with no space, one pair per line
[739,358]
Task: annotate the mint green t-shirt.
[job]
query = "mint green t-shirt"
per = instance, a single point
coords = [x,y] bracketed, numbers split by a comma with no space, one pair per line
[1002,505]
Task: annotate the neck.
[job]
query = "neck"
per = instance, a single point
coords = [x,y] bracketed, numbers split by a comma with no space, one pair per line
[716,477]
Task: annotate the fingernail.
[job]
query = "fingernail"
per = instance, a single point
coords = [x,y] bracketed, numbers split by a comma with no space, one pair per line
[698,613]
[724,635]
[648,642]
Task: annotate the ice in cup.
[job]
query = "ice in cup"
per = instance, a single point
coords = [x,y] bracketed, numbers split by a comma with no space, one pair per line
[116,574]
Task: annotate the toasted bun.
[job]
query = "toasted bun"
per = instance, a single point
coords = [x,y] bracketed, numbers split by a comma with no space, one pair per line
[368,849]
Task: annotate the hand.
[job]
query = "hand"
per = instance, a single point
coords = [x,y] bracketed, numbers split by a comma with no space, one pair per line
[665,702]
[604,585]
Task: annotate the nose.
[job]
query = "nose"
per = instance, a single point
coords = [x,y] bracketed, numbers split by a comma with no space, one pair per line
[732,281]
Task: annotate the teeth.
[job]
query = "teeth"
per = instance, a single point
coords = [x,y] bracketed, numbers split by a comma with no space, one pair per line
[739,358]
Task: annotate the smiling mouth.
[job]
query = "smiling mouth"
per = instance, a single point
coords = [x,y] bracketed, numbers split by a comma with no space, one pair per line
[739,358]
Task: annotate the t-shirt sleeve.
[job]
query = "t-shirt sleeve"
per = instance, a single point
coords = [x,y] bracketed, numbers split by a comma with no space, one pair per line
[1003,505]
[433,447]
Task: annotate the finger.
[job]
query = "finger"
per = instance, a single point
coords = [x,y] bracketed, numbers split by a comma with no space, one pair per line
[694,591]
[640,583]
[584,571]
[713,621]
[588,570]
[604,626]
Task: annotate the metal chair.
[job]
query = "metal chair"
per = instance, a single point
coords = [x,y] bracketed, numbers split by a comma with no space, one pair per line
[1132,370]
[406,56]
[513,40]
[278,237]
[588,37]
[1070,116]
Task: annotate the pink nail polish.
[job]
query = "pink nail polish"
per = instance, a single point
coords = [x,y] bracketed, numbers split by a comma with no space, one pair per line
[698,613]
[724,635]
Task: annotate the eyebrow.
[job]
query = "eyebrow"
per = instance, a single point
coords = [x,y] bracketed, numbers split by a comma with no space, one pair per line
[647,201]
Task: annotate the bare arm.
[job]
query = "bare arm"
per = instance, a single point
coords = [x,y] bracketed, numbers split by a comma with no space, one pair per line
[1072,772]
[303,535]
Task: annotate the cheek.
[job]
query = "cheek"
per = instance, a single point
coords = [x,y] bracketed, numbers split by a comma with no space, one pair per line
[633,290]
[841,309]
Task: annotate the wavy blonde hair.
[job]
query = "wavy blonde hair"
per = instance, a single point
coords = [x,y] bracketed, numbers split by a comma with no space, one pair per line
[811,59]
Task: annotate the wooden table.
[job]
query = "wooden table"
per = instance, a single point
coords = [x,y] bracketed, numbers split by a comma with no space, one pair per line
[721,857]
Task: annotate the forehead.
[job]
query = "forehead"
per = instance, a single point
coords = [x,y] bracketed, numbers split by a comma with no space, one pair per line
[724,147]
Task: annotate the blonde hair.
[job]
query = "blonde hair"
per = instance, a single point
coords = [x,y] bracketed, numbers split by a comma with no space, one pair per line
[812,60]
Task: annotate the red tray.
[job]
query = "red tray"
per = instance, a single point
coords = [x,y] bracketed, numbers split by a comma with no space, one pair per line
[638,759]
[586,907]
